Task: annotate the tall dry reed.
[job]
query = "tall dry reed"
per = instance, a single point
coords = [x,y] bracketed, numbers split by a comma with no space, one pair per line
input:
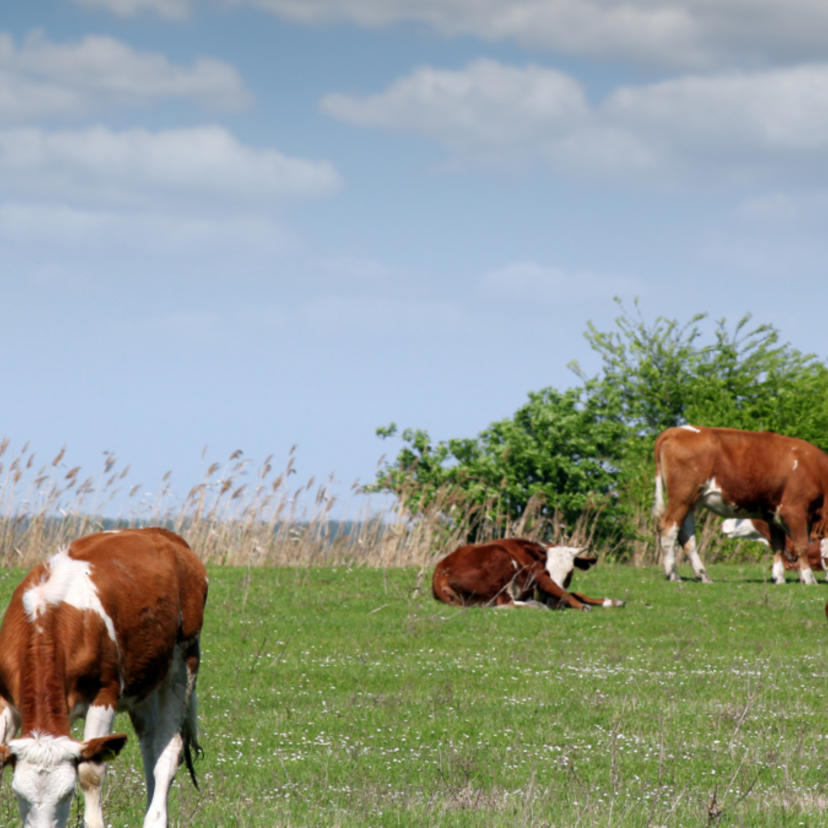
[247,515]
[242,514]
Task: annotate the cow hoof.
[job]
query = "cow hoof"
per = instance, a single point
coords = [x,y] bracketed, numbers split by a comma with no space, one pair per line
[586,608]
[705,578]
[674,576]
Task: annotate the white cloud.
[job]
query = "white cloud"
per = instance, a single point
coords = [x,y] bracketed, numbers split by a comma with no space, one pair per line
[486,107]
[733,126]
[169,9]
[530,284]
[205,167]
[75,231]
[41,78]
[683,33]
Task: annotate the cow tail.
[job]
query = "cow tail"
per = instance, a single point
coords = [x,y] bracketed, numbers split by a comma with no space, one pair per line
[659,507]
[189,733]
[189,726]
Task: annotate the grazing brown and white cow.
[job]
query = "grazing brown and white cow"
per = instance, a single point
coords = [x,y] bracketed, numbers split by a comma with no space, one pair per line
[759,530]
[749,474]
[109,623]
[507,573]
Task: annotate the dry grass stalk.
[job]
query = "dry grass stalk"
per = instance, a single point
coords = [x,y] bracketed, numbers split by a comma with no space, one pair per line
[242,515]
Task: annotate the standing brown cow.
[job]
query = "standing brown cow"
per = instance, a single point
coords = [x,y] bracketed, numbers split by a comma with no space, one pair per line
[748,474]
[759,530]
[110,622]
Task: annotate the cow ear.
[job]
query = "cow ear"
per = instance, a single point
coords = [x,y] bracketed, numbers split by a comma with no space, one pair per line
[104,748]
[7,757]
[585,563]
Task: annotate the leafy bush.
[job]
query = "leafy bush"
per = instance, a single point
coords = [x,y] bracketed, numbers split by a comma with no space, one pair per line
[589,448]
[560,451]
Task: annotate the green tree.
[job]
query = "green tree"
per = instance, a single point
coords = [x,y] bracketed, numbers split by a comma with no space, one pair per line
[591,446]
[560,449]
[662,375]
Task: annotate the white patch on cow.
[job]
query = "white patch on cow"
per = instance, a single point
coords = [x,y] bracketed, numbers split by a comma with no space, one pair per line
[9,723]
[778,520]
[607,602]
[66,581]
[691,428]
[45,778]
[111,531]
[161,715]
[45,750]
[668,547]
[796,463]
[559,562]
[99,718]
[806,574]
[742,528]
[778,572]
[712,499]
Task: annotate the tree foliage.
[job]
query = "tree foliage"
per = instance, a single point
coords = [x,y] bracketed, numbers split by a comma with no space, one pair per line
[561,449]
[591,446]
[663,375]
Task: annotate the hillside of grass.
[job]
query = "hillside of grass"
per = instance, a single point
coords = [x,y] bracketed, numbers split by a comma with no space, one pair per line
[348,697]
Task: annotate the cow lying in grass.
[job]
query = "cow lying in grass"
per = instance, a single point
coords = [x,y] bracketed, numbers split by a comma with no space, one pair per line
[509,572]
[759,530]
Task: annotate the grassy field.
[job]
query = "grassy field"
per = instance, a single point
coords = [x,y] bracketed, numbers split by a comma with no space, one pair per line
[337,697]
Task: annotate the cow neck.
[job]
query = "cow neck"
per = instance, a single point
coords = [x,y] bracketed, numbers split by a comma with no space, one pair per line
[43,706]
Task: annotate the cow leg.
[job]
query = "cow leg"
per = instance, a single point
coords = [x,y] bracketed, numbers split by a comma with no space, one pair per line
[798,533]
[687,540]
[99,719]
[823,554]
[801,543]
[680,527]
[443,592]
[161,722]
[667,537]
[599,602]
[9,722]
[777,542]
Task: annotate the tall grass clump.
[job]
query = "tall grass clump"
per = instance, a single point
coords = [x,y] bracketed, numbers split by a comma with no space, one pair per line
[244,514]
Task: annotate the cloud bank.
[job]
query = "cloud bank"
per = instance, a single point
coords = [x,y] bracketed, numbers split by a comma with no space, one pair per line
[40,78]
[661,32]
[167,9]
[136,167]
[730,126]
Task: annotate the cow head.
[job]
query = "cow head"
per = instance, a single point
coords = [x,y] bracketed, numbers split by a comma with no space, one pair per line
[562,560]
[46,773]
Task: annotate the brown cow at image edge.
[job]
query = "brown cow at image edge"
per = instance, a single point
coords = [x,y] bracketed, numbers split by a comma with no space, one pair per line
[746,474]
[109,623]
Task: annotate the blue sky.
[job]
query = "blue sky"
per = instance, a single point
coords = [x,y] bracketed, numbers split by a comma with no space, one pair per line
[258,223]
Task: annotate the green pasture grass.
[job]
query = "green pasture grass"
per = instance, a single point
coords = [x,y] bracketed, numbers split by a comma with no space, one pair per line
[340,697]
